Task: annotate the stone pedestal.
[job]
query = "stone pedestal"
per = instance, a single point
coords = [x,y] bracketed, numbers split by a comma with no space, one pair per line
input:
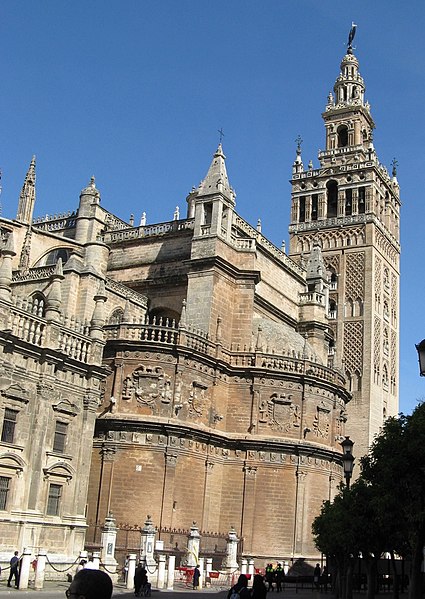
[109,539]
[24,571]
[131,570]
[148,545]
[232,550]
[171,569]
[40,570]
[161,571]
[193,543]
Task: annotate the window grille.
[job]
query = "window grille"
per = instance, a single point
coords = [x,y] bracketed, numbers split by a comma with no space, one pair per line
[9,423]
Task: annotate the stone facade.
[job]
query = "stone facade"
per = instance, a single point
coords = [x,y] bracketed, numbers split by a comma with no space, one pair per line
[351,204]
[212,359]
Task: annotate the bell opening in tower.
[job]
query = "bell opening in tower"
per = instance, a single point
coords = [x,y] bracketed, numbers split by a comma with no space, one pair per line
[332,191]
[342,136]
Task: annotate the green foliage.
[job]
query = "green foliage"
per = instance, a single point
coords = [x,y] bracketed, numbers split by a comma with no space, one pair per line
[385,509]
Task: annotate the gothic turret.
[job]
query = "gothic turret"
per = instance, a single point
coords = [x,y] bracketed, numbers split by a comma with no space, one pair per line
[27,196]
[213,200]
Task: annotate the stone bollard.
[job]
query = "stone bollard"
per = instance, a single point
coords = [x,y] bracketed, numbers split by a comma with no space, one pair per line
[251,571]
[208,568]
[40,570]
[171,569]
[96,560]
[244,566]
[24,570]
[131,570]
[161,571]
[201,569]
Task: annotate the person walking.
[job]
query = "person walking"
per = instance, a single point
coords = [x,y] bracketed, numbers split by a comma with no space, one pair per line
[140,580]
[259,589]
[240,589]
[270,577]
[14,570]
[196,577]
[316,576]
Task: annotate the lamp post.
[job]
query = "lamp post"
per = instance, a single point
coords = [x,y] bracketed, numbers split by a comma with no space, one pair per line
[420,348]
[347,459]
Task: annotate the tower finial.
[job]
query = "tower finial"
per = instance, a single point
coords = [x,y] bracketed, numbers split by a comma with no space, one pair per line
[299,141]
[351,37]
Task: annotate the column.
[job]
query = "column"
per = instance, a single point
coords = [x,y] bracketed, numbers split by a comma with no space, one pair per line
[341,203]
[307,209]
[193,543]
[171,570]
[322,209]
[131,570]
[161,571]
[355,201]
[40,570]
[24,570]
[209,468]
[248,517]
[168,492]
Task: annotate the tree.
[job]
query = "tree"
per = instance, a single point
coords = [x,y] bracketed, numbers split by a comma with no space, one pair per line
[395,467]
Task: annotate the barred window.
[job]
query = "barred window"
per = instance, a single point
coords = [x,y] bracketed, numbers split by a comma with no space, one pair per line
[4,491]
[9,423]
[59,440]
[54,499]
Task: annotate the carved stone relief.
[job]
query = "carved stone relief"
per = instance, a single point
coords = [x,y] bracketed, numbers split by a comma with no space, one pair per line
[280,412]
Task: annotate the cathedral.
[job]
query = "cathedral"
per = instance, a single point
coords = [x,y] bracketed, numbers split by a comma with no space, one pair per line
[191,370]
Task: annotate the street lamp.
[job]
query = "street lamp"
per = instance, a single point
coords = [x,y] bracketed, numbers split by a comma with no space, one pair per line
[420,348]
[347,459]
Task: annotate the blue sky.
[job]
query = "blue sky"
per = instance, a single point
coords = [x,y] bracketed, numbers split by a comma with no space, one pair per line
[135,91]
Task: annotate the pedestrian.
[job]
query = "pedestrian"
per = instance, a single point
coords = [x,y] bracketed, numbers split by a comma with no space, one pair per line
[269,577]
[316,576]
[14,569]
[90,584]
[325,579]
[278,576]
[240,589]
[140,580]
[259,589]
[196,577]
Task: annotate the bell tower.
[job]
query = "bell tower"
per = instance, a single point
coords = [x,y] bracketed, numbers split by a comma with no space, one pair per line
[350,204]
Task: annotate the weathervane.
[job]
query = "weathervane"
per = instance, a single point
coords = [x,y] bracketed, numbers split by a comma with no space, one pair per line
[221,134]
[299,141]
[351,37]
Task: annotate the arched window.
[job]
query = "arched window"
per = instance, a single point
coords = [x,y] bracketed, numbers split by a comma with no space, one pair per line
[52,257]
[333,279]
[314,206]
[332,193]
[37,304]
[342,133]
[362,200]
[332,309]
[116,316]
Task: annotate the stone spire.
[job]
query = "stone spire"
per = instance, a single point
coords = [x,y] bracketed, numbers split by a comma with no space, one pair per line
[27,196]
[216,180]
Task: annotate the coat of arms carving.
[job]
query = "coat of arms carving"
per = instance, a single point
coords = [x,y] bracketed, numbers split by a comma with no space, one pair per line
[197,399]
[280,412]
[321,422]
[146,385]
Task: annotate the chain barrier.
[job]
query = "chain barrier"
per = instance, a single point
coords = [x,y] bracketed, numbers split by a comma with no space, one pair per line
[106,569]
[57,569]
[153,571]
